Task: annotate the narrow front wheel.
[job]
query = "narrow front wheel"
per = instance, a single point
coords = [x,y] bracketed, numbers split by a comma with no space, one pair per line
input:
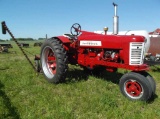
[135,86]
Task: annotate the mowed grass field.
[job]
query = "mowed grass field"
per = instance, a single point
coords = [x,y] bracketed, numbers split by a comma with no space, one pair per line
[24,94]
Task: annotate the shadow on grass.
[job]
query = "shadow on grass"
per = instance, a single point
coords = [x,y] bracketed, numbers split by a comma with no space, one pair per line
[4,68]
[154,64]
[12,111]
[78,75]
[156,69]
[151,100]
[113,77]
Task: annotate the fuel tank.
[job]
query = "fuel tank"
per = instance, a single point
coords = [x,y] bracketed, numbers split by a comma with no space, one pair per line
[130,32]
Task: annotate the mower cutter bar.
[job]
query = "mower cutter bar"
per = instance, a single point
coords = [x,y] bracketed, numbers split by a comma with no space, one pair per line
[4,29]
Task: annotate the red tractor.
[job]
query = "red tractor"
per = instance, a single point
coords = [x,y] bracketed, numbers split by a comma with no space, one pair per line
[96,52]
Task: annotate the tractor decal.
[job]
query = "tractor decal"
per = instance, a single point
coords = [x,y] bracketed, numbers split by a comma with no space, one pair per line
[90,43]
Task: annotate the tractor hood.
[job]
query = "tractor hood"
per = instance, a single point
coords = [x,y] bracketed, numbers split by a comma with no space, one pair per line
[93,40]
[131,32]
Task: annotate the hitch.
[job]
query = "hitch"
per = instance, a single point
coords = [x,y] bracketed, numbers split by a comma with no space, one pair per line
[37,63]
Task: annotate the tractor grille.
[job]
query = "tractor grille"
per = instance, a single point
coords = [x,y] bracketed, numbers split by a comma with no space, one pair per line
[136,55]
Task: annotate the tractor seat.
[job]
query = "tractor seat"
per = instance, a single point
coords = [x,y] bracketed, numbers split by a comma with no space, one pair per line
[69,36]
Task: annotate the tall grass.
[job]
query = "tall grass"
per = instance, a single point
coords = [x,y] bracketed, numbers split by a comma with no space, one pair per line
[26,95]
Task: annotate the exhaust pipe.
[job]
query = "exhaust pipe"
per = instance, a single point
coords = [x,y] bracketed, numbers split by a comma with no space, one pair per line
[115,20]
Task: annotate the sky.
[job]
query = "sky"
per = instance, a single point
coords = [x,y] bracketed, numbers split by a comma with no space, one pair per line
[36,18]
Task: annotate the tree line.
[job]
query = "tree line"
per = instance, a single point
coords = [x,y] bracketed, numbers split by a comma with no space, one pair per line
[23,39]
[27,39]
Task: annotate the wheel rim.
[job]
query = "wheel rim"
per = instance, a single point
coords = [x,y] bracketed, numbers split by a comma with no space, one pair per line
[133,89]
[49,64]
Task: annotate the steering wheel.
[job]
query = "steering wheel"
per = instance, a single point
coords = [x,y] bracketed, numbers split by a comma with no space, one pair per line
[75,29]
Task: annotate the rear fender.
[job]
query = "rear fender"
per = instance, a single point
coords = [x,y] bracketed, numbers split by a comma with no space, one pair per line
[63,39]
[65,42]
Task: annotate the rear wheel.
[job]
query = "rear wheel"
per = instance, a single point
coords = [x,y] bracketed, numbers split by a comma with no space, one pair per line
[135,86]
[53,61]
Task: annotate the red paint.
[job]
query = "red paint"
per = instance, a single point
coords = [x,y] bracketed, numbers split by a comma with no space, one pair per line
[133,88]
[113,51]
[51,62]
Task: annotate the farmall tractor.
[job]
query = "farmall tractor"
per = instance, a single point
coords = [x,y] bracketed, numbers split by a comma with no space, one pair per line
[96,52]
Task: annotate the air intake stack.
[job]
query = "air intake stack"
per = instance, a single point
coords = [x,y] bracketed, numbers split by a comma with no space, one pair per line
[115,20]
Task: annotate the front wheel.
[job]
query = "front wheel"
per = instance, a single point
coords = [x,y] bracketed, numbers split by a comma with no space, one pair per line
[151,81]
[54,60]
[135,86]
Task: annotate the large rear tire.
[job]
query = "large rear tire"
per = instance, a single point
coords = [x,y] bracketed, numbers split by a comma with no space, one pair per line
[135,86]
[54,61]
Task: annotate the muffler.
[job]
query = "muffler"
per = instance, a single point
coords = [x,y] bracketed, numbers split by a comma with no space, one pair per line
[115,20]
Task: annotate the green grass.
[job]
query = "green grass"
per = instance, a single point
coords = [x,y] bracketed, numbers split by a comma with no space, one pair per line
[26,95]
